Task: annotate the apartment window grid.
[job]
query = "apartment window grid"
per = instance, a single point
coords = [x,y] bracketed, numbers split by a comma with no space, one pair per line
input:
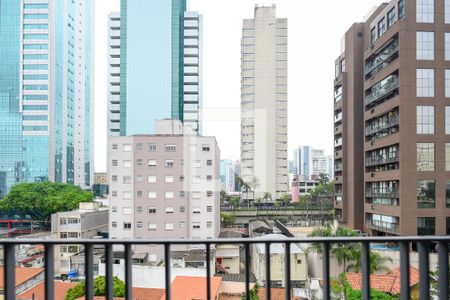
[381,27]
[424,45]
[425,157]
[373,35]
[170,148]
[447,157]
[447,11]
[391,18]
[139,178]
[447,83]
[425,82]
[425,11]
[425,119]
[152,147]
[447,120]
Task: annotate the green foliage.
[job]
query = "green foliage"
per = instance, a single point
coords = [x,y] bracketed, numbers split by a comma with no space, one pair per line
[341,286]
[235,201]
[223,197]
[42,199]
[377,262]
[99,288]
[227,219]
[253,293]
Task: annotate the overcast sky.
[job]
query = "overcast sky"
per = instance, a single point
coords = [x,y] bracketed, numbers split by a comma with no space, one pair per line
[315,29]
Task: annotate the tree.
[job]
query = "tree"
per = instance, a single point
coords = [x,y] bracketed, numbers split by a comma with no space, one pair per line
[227,219]
[285,199]
[79,291]
[253,293]
[377,263]
[267,197]
[246,187]
[240,182]
[235,201]
[223,197]
[42,199]
[343,287]
[254,185]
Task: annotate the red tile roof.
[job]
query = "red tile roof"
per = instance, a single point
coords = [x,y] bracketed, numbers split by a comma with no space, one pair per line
[39,291]
[22,275]
[388,283]
[189,287]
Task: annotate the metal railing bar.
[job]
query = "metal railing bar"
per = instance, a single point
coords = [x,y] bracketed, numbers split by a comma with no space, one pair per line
[128,272]
[89,270]
[208,271]
[287,270]
[443,280]
[10,271]
[365,266]
[247,270]
[167,269]
[326,270]
[424,276]
[404,271]
[109,272]
[268,280]
[49,260]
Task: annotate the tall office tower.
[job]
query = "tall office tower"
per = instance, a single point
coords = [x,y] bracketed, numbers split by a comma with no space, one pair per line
[400,66]
[264,102]
[164,185]
[309,162]
[46,74]
[154,69]
[330,166]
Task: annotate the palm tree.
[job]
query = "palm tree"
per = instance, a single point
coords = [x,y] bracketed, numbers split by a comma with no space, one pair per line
[240,182]
[223,197]
[377,263]
[285,199]
[254,185]
[267,197]
[246,187]
[235,201]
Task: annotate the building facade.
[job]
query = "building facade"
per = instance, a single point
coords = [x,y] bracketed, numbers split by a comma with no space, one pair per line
[264,102]
[392,113]
[164,185]
[46,92]
[309,163]
[154,66]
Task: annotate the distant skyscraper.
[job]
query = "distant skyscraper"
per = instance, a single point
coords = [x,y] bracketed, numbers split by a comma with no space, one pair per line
[154,66]
[264,101]
[310,162]
[46,90]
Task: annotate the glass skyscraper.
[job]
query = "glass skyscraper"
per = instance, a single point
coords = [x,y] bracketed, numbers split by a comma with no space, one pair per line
[46,55]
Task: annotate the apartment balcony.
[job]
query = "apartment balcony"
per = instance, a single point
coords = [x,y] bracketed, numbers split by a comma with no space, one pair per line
[338,143]
[9,249]
[383,92]
[387,227]
[391,123]
[386,193]
[382,60]
[338,168]
[382,161]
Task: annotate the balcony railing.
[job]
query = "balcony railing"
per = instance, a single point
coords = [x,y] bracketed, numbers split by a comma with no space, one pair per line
[405,242]
[381,92]
[382,60]
[391,123]
[392,193]
[383,226]
[382,161]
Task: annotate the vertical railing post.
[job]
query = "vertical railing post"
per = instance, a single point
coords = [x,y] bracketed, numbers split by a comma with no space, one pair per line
[128,272]
[208,272]
[287,270]
[424,276]
[268,280]
[365,266]
[247,270]
[326,270]
[89,271]
[49,259]
[404,271]
[10,271]
[167,270]
[109,271]
[444,281]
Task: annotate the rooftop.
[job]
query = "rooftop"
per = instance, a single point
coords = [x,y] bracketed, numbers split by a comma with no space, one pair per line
[38,291]
[188,287]
[22,275]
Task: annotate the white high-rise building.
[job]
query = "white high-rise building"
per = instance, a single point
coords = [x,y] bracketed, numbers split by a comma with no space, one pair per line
[310,163]
[264,102]
[114,74]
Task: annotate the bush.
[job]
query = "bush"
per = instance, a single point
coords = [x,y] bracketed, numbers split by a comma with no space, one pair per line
[99,288]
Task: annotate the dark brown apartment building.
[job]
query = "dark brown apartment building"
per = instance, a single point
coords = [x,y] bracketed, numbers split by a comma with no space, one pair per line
[392,121]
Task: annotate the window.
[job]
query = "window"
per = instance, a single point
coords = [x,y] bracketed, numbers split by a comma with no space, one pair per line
[182,224]
[152,162]
[447,46]
[169,226]
[151,195]
[426,194]
[126,225]
[381,27]
[391,18]
[126,195]
[152,147]
[114,178]
[209,177]
[373,35]
[168,179]
[209,162]
[139,162]
[425,11]
[114,146]
[196,195]
[447,194]
[208,224]
[168,210]
[196,225]
[181,178]
[182,209]
[447,11]
[114,208]
[447,83]
[139,178]
[425,83]
[182,194]
[170,148]
[139,193]
[209,193]
[35,6]
[424,45]
[205,148]
[151,210]
[425,119]
[447,157]
[127,147]
[343,65]
[168,163]
[209,208]
[425,157]
[168,195]
[196,210]
[401,9]
[114,163]
[139,224]
[35,16]
[126,211]
[151,179]
[114,224]
[447,120]
[196,179]
[139,146]
[197,164]
[139,209]
[127,163]
[426,226]
[151,226]
[114,193]
[126,179]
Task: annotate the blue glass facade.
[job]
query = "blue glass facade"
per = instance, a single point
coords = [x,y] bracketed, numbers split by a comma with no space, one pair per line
[151,83]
